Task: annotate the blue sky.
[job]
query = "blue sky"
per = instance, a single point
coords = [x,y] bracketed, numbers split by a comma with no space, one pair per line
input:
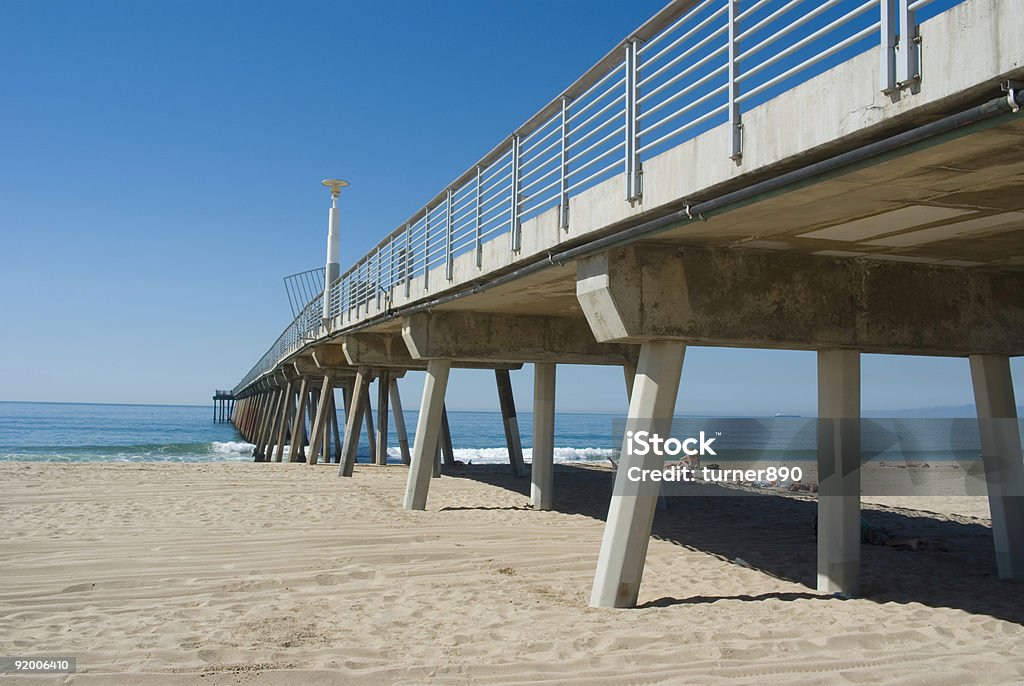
[160,173]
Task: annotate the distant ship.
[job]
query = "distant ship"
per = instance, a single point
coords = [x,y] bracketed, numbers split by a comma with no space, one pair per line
[779,414]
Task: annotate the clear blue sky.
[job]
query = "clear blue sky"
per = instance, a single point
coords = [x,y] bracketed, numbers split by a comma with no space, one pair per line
[160,168]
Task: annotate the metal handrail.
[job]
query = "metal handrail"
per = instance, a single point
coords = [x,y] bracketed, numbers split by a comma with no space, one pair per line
[682,66]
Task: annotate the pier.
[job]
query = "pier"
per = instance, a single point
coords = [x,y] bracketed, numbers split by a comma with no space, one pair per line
[847,181]
[223,405]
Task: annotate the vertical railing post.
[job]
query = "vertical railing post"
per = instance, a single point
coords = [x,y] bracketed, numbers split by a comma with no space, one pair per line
[563,174]
[392,264]
[887,76]
[479,217]
[380,277]
[517,237]
[735,124]
[449,256]
[408,259]
[631,147]
[358,286]
[426,247]
[906,56]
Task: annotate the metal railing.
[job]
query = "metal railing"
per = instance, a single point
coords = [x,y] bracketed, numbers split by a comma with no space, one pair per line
[303,287]
[693,67]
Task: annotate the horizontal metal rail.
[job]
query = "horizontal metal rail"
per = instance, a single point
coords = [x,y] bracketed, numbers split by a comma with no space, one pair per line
[697,64]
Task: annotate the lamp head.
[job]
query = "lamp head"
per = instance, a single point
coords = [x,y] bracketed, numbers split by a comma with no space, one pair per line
[335,185]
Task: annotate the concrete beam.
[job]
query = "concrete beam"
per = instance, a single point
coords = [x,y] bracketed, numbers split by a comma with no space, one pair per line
[389,350]
[485,337]
[747,298]
[332,358]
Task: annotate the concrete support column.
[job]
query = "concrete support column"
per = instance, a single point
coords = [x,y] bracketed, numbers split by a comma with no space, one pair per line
[445,440]
[320,422]
[284,414]
[368,417]
[383,387]
[336,453]
[507,402]
[428,427]
[267,431]
[299,423]
[542,470]
[620,564]
[396,410]
[1001,453]
[356,396]
[839,471]
[629,372]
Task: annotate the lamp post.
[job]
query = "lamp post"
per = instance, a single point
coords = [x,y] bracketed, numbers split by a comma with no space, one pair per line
[333,266]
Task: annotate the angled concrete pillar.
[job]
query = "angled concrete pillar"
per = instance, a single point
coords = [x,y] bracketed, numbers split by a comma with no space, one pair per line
[285,413]
[320,422]
[383,387]
[336,454]
[399,415]
[445,439]
[542,469]
[629,372]
[266,421]
[371,438]
[267,444]
[839,471]
[1001,454]
[353,420]
[507,402]
[428,427]
[620,564]
[299,423]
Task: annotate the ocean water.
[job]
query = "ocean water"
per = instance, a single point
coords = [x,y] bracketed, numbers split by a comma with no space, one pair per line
[73,432]
[69,432]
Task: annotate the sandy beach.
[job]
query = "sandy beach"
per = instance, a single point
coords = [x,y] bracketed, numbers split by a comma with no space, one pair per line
[229,573]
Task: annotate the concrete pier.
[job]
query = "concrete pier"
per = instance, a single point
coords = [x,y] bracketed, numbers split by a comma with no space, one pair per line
[889,222]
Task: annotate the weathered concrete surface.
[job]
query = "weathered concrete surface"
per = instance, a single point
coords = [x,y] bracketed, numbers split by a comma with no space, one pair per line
[788,300]
[389,350]
[332,358]
[508,338]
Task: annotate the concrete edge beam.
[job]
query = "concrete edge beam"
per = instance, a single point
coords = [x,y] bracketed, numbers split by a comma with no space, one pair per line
[761,299]
[487,338]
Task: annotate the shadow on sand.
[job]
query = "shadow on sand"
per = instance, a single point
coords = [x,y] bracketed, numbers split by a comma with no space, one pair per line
[774,534]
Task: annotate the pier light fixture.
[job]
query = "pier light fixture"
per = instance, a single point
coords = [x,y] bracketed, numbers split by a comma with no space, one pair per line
[335,185]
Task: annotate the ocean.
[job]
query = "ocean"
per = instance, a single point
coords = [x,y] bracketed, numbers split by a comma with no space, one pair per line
[73,432]
[80,432]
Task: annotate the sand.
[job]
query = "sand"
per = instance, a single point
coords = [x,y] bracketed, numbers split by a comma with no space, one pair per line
[285,574]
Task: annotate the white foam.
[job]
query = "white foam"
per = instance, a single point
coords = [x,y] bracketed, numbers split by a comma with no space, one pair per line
[231,448]
[500,455]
